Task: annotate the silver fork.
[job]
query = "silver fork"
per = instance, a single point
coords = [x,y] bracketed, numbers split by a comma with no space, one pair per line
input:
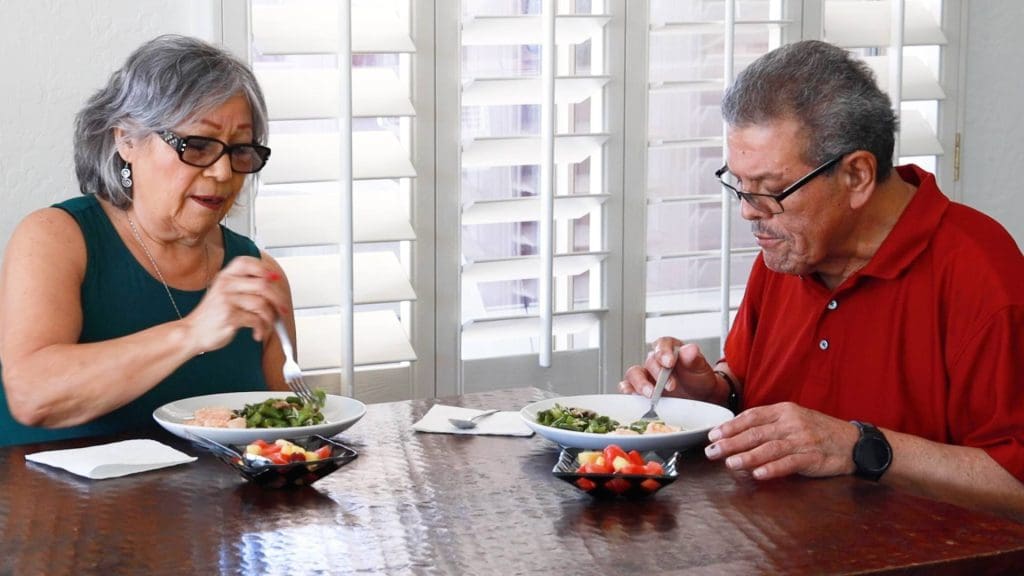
[292,372]
[659,387]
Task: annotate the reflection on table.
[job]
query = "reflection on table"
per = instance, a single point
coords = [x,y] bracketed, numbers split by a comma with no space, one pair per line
[445,504]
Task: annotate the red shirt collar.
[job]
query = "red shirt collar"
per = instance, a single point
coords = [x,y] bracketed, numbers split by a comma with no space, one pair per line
[914,229]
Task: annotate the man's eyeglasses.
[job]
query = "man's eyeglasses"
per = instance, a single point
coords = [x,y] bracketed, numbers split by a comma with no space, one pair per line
[770,203]
[200,151]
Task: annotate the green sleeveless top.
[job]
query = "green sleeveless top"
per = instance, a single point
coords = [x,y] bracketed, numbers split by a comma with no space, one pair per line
[119,297]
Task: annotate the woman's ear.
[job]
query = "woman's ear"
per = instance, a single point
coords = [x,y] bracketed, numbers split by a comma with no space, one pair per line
[125,145]
[858,173]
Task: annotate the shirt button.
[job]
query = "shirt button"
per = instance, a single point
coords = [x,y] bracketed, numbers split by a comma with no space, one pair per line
[823,344]
[832,305]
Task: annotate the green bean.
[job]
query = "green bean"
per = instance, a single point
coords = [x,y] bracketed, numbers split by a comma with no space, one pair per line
[284,412]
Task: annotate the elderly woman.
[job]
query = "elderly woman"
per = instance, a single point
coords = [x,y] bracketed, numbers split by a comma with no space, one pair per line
[133,295]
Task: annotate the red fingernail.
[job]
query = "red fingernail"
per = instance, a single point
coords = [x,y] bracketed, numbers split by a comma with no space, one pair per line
[273,277]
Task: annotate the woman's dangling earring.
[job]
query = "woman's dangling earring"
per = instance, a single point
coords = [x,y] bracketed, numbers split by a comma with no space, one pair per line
[126,175]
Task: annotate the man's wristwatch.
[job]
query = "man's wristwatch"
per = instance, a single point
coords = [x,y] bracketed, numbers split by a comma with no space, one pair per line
[872,453]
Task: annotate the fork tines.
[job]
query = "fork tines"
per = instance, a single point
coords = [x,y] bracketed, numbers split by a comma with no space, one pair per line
[298,385]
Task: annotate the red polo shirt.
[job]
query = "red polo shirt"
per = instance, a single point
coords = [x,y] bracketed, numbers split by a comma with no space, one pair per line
[927,338]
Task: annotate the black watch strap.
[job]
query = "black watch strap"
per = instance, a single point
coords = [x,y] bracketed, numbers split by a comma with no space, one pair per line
[872,453]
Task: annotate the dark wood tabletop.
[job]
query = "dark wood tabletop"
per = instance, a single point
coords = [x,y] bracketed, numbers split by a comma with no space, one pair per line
[415,503]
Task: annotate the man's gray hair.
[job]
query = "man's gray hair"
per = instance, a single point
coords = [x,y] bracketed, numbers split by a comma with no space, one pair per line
[165,82]
[828,90]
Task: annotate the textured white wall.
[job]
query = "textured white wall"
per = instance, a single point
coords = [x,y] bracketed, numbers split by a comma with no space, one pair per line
[992,153]
[53,56]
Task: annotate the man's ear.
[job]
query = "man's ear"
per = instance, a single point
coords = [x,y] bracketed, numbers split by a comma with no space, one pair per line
[858,175]
[125,145]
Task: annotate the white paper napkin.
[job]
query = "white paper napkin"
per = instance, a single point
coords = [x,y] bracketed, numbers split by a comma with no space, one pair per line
[113,460]
[504,423]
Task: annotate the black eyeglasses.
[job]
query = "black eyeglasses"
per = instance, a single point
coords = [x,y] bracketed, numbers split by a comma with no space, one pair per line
[200,151]
[770,203]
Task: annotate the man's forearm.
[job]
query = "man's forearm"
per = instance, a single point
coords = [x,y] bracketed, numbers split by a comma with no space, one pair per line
[961,475]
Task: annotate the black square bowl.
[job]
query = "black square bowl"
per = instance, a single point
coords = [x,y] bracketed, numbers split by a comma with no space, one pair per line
[293,474]
[615,485]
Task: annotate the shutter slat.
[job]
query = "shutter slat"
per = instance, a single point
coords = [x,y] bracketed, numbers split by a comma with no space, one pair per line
[525,30]
[307,157]
[528,209]
[313,157]
[917,138]
[520,91]
[379,154]
[377,28]
[377,92]
[379,339]
[524,267]
[563,324]
[525,151]
[380,212]
[296,28]
[318,97]
[378,277]
[866,23]
[312,219]
[919,83]
[297,220]
[312,28]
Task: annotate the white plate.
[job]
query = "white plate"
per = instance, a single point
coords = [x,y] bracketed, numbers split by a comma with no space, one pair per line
[695,418]
[339,412]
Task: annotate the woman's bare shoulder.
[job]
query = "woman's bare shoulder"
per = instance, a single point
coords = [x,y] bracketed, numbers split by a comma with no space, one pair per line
[50,236]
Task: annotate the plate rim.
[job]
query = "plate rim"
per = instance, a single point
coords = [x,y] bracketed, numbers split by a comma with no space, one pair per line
[172,426]
[590,440]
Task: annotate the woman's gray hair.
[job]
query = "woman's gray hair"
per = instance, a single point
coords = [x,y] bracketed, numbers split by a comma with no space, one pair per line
[165,82]
[825,88]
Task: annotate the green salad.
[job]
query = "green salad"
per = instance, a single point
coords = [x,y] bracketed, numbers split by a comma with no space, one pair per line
[283,412]
[578,419]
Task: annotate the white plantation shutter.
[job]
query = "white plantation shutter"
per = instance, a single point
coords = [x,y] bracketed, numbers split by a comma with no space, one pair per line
[697,249]
[501,262]
[689,250]
[316,180]
[865,26]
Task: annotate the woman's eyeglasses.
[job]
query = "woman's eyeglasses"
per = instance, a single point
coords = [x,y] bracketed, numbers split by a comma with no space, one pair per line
[200,151]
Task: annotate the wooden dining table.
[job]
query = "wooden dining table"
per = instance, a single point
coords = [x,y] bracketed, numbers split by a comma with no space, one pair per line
[420,503]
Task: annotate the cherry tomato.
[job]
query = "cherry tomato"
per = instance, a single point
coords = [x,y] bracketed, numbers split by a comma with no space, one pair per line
[634,469]
[617,485]
[270,449]
[611,452]
[650,485]
[277,458]
[595,468]
[636,458]
[261,443]
[654,468]
[585,484]
[323,452]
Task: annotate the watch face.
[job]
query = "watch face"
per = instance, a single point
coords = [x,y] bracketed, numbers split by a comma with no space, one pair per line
[873,454]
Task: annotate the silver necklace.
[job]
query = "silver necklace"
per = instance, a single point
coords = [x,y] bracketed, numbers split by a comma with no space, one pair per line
[206,264]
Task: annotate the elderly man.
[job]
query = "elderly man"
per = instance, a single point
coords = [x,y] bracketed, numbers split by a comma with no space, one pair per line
[882,329]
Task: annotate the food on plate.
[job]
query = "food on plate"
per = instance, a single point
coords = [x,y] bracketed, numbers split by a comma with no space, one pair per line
[614,460]
[283,452]
[583,420]
[271,413]
[217,417]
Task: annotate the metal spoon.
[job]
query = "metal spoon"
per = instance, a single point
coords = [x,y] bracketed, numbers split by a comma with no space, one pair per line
[470,423]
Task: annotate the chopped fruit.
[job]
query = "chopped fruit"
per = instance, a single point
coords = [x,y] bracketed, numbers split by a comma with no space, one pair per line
[620,462]
[589,457]
[285,452]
